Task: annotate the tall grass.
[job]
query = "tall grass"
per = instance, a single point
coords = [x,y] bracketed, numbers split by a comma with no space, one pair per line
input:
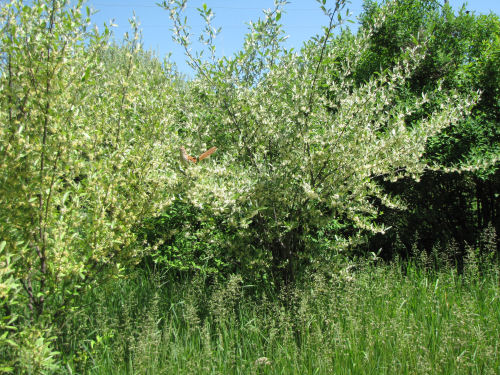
[368,319]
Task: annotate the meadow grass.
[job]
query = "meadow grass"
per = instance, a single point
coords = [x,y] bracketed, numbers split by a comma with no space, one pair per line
[372,319]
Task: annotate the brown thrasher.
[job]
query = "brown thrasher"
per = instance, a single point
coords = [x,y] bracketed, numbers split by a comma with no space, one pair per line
[185,158]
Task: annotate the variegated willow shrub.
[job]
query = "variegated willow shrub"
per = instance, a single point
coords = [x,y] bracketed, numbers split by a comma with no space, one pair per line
[85,144]
[301,142]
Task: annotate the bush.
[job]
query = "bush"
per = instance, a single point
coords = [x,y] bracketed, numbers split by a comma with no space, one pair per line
[83,147]
[299,146]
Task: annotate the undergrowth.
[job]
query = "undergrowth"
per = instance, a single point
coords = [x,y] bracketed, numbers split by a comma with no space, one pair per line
[398,318]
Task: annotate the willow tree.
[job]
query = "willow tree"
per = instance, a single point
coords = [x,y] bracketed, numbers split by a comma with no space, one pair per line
[301,148]
[83,144]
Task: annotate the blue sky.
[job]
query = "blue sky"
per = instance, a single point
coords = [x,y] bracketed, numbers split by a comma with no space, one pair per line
[301,20]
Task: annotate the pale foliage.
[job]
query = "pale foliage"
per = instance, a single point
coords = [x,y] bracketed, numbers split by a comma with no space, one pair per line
[301,143]
[85,137]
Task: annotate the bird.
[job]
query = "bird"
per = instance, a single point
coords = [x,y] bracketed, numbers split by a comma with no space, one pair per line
[185,158]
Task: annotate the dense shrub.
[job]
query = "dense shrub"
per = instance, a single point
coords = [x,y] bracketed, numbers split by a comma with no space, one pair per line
[84,140]
[292,159]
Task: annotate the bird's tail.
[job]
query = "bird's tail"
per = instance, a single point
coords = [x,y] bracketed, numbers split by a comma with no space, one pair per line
[207,153]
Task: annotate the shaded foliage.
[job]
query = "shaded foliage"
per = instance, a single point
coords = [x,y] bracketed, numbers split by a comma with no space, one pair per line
[463,52]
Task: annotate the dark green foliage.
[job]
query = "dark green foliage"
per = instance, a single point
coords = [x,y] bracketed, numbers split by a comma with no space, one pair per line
[439,210]
[463,52]
[184,243]
[407,22]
